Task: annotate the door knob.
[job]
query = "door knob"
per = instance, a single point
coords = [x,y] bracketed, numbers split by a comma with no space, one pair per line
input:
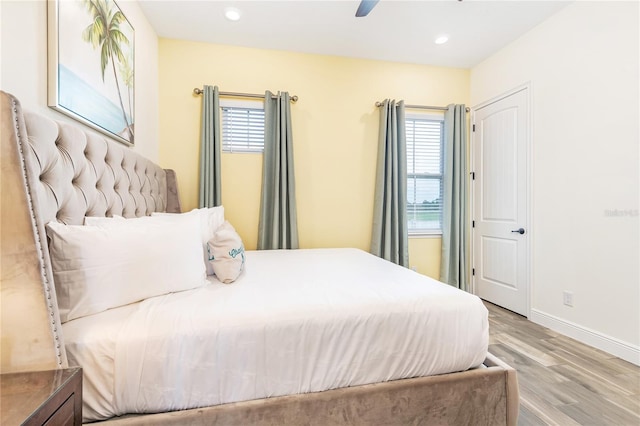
[519,231]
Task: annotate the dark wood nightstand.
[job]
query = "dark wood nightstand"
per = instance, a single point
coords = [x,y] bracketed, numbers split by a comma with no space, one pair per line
[50,398]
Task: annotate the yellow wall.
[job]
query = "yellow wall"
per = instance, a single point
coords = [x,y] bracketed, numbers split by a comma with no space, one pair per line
[424,255]
[335,128]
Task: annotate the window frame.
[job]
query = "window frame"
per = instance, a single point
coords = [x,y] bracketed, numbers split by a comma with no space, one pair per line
[239,104]
[426,116]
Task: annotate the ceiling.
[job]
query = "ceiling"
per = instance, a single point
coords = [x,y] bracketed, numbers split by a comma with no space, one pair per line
[396,30]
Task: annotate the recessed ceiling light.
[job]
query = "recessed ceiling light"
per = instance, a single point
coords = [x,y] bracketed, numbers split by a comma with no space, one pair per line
[232,14]
[441,39]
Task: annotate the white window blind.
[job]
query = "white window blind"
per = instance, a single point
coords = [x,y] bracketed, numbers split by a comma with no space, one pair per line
[242,128]
[424,174]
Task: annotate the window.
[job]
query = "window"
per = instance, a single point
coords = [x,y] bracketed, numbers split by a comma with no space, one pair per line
[242,126]
[425,138]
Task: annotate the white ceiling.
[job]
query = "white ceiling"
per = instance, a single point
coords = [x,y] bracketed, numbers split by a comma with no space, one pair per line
[396,30]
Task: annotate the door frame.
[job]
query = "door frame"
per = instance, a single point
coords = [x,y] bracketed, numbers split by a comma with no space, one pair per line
[527,87]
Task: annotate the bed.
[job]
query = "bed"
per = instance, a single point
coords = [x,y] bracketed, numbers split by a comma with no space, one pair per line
[317,336]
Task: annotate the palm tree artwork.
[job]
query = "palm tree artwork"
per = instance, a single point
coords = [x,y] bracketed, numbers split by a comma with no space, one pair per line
[105,33]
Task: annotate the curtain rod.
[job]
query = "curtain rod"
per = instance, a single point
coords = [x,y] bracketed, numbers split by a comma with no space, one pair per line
[435,108]
[198,91]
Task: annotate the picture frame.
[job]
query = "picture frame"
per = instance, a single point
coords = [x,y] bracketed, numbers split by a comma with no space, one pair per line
[91,70]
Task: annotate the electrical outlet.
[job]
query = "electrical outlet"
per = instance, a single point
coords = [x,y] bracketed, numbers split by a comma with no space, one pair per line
[414,268]
[567,298]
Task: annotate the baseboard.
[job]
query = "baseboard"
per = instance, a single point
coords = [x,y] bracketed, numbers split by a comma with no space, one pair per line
[590,337]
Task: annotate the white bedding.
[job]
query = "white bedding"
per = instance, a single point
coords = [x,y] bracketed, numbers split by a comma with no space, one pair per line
[295,321]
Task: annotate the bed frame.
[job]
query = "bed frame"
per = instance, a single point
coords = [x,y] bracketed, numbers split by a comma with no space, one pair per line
[57,170]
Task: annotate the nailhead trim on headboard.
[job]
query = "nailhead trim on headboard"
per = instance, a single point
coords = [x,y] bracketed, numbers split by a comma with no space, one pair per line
[41,254]
[67,173]
[70,173]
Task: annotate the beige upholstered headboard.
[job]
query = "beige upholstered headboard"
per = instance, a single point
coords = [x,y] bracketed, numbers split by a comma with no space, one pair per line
[57,171]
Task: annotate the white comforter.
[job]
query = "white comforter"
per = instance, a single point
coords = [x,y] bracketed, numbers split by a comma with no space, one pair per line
[295,321]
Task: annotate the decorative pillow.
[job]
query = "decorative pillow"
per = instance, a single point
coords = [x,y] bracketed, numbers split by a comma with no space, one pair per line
[226,253]
[210,219]
[97,268]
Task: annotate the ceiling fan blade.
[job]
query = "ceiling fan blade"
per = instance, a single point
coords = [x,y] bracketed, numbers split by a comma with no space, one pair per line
[365,7]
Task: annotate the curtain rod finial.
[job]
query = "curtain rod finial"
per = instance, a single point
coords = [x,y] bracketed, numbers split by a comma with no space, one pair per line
[197,91]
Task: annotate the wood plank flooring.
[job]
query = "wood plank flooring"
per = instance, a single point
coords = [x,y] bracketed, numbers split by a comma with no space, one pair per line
[562,381]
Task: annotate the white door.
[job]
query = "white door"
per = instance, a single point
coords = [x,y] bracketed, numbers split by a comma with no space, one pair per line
[500,163]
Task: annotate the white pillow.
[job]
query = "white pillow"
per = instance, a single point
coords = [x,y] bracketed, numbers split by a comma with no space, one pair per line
[97,268]
[210,219]
[226,253]
[99,220]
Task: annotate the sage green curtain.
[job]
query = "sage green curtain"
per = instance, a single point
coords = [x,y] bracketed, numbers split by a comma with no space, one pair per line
[278,227]
[455,224]
[389,238]
[210,194]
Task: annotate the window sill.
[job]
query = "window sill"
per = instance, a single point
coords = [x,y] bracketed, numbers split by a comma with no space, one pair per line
[435,234]
[242,152]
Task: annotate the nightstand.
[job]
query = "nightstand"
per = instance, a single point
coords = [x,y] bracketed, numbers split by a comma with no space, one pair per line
[50,398]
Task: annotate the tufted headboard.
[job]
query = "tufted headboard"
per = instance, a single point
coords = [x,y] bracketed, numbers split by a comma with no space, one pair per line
[57,171]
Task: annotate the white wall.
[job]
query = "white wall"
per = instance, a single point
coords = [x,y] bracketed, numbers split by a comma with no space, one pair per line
[583,66]
[23,65]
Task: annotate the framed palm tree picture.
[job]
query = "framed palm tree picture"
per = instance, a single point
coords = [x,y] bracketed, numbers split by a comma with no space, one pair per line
[91,65]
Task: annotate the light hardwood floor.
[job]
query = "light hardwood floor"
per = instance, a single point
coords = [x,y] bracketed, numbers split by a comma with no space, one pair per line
[562,381]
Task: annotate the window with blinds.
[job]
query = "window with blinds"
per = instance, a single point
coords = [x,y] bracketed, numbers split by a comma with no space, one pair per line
[243,128]
[425,138]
